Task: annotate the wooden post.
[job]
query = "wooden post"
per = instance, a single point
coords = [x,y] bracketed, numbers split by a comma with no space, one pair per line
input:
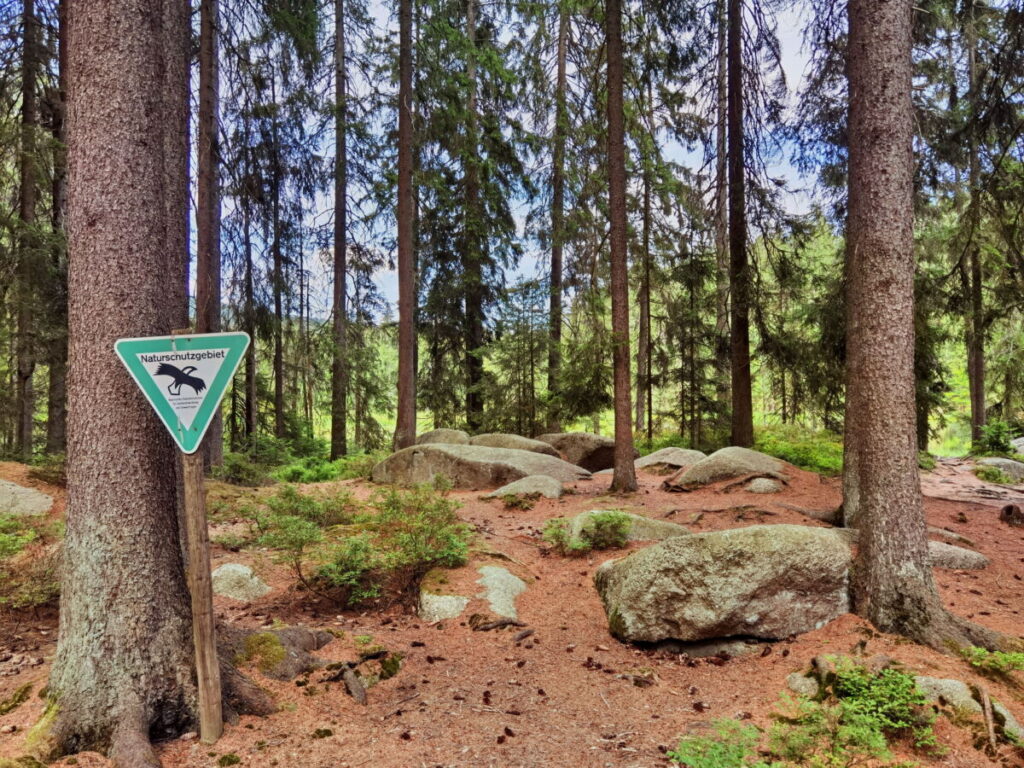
[211,723]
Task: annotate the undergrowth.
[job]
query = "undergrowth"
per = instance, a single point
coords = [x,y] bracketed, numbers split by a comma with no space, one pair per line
[29,561]
[602,530]
[852,722]
[996,664]
[820,452]
[992,475]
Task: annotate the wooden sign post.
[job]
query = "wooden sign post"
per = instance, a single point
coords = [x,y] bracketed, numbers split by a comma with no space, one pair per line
[184,377]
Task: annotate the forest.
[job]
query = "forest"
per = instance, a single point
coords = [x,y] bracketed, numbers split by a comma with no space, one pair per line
[691,332]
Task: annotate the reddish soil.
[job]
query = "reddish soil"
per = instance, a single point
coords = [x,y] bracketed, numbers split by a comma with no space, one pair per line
[561,696]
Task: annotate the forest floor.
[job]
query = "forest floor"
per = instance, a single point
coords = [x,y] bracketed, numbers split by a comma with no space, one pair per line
[562,696]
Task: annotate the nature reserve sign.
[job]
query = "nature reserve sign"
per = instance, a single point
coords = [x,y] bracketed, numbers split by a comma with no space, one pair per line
[184,378]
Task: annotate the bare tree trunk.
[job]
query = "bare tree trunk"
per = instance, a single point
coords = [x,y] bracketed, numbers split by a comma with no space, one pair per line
[56,407]
[722,339]
[208,284]
[249,312]
[123,669]
[472,254]
[643,345]
[278,289]
[624,476]
[893,585]
[405,428]
[339,361]
[558,219]
[27,242]
[739,271]
[976,323]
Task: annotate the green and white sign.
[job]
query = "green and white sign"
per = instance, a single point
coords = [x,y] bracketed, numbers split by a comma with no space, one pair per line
[184,378]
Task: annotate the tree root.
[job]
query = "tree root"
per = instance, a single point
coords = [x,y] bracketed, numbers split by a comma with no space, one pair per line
[130,746]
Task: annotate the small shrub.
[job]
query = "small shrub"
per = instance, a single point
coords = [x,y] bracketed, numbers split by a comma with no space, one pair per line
[353,568]
[524,501]
[998,664]
[602,530]
[733,745]
[820,452]
[240,469]
[995,439]
[556,533]
[360,465]
[312,469]
[993,475]
[292,536]
[50,468]
[926,461]
[15,535]
[325,511]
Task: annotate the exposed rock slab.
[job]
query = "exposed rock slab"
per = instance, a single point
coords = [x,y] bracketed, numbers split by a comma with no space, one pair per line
[764,485]
[765,581]
[471,467]
[18,500]
[544,485]
[640,529]
[444,436]
[437,607]
[501,588]
[520,443]
[671,457]
[943,555]
[585,449]
[959,695]
[238,582]
[1012,469]
[724,464]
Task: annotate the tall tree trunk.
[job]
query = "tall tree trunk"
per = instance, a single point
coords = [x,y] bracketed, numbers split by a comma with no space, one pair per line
[250,323]
[472,254]
[405,428]
[557,221]
[723,384]
[278,287]
[56,407]
[27,276]
[893,585]
[739,271]
[339,366]
[123,669]
[624,476]
[208,283]
[643,346]
[976,323]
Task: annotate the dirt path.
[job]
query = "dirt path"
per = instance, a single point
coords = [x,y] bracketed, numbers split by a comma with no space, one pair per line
[564,695]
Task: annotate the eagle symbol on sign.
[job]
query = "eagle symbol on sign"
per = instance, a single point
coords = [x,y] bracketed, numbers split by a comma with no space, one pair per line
[181,378]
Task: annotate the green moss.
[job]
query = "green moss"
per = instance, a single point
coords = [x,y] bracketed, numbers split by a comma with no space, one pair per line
[390,665]
[229,759]
[322,733]
[40,740]
[993,475]
[16,700]
[264,649]
[616,624]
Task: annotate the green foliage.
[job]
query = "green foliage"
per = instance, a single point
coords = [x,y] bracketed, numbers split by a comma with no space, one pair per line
[240,469]
[32,580]
[229,759]
[524,501]
[602,530]
[14,535]
[353,567]
[992,475]
[820,452]
[925,460]
[324,511]
[995,439]
[998,664]
[292,536]
[733,745]
[312,469]
[50,468]
[264,649]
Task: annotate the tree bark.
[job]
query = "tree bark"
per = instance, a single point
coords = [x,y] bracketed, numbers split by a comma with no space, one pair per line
[339,366]
[405,428]
[472,254]
[557,221]
[624,475]
[893,585]
[123,669]
[643,351]
[208,281]
[723,384]
[278,285]
[27,242]
[976,323]
[739,271]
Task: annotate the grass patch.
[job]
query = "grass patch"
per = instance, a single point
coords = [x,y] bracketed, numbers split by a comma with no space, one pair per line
[816,451]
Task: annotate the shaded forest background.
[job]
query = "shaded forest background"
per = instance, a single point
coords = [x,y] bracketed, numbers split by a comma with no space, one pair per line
[295,190]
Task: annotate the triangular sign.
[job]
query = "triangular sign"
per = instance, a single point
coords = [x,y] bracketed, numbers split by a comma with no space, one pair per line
[184,378]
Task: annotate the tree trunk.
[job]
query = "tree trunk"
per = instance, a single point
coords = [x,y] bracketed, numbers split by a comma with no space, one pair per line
[405,428]
[472,254]
[643,345]
[739,271]
[624,476]
[893,585]
[56,408]
[722,339]
[278,288]
[123,669]
[339,367]
[976,322]
[208,289]
[557,221]
[249,312]
[28,244]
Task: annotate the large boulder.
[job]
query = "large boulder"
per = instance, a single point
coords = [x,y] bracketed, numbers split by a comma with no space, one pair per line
[534,485]
[520,443]
[640,528]
[671,457]
[766,581]
[943,555]
[238,582]
[1018,444]
[18,500]
[585,449]
[724,464]
[444,436]
[961,696]
[1012,469]
[471,467]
